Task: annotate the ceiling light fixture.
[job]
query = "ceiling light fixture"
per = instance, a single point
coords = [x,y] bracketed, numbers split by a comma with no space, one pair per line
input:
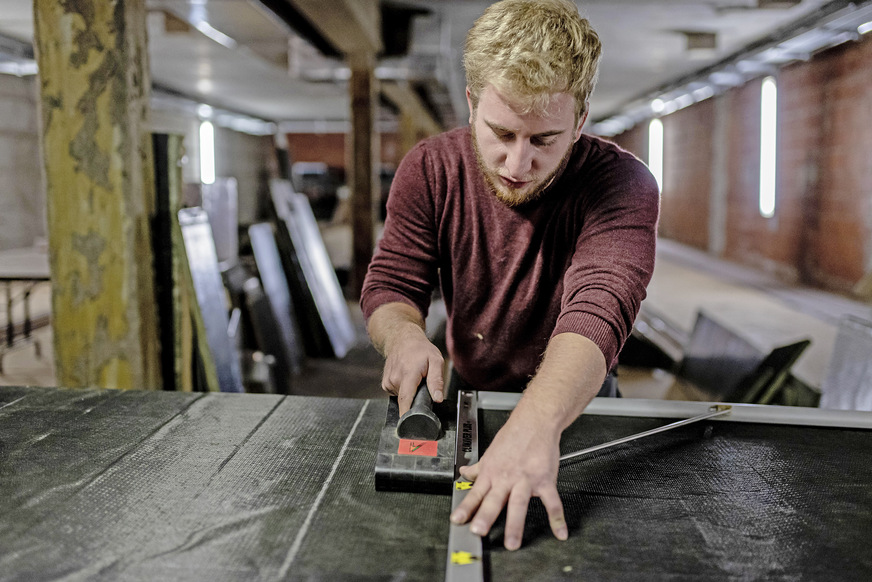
[829,27]
[703,93]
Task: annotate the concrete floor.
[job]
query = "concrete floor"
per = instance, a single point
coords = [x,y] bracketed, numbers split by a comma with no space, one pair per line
[762,310]
[685,281]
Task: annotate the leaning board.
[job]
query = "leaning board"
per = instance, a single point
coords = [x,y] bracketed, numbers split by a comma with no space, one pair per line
[220,357]
[311,274]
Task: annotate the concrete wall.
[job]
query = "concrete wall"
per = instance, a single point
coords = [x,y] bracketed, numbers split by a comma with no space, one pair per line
[247,158]
[821,234]
[22,193]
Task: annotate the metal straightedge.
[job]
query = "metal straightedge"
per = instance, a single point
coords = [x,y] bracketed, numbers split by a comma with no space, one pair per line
[465,562]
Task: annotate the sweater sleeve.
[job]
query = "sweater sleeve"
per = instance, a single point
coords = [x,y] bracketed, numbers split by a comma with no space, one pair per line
[614,256]
[404,267]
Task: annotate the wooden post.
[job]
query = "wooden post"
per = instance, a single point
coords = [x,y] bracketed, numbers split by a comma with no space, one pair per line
[363,148]
[94,87]
[409,133]
[354,28]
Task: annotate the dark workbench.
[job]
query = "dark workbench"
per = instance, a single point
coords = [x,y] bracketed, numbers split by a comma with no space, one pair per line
[109,485]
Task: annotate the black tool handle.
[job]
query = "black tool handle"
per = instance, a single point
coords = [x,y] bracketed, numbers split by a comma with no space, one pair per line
[420,422]
[422,399]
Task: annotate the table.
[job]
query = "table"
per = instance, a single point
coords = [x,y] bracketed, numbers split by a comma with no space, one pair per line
[135,485]
[31,267]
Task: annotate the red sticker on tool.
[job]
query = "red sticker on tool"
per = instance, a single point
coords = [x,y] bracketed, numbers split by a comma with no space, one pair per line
[420,448]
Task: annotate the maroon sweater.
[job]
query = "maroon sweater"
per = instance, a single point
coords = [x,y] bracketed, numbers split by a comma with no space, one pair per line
[576,260]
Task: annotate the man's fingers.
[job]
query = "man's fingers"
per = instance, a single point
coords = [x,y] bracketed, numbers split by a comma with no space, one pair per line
[516,514]
[469,505]
[435,383]
[406,394]
[488,512]
[551,500]
[470,472]
[388,384]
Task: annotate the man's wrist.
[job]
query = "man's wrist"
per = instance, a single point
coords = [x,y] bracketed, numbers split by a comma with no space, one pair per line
[403,332]
[535,415]
[390,320]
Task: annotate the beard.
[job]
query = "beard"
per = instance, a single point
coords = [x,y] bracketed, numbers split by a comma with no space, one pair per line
[513,197]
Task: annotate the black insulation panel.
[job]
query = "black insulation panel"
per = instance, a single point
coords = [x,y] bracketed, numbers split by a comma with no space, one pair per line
[109,485]
[709,501]
[114,485]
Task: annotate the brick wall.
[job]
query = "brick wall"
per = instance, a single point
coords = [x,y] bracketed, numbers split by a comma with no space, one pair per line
[687,171]
[22,194]
[801,129]
[330,148]
[821,234]
[635,140]
[844,231]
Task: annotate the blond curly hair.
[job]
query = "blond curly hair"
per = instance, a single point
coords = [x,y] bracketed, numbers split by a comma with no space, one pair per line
[531,49]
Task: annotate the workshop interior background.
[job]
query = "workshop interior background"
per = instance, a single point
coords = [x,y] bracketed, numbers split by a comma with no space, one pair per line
[820,237]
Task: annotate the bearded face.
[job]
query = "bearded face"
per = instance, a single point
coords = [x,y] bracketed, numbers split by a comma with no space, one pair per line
[520,154]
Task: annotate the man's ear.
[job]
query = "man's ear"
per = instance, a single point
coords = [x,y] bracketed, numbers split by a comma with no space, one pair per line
[471,107]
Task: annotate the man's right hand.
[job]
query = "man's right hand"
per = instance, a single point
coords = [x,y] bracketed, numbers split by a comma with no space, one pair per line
[397,331]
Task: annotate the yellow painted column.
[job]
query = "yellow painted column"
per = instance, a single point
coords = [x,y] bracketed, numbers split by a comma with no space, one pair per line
[94,87]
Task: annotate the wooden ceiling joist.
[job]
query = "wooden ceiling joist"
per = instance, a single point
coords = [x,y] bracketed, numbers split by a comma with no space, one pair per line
[409,103]
[349,25]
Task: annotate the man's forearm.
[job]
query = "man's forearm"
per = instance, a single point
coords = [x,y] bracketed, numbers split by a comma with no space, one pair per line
[397,332]
[391,320]
[571,374]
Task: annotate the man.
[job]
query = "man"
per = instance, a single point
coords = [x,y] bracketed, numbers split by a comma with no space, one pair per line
[542,240]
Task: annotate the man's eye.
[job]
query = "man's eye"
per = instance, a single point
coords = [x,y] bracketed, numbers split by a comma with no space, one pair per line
[537,141]
[505,136]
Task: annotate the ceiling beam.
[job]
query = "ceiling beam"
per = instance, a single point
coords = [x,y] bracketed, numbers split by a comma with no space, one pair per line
[351,26]
[409,103]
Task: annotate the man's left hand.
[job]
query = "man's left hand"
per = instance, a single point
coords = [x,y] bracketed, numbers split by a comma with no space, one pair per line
[521,463]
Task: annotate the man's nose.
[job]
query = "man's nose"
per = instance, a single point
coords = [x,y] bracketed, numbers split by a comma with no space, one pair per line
[519,159]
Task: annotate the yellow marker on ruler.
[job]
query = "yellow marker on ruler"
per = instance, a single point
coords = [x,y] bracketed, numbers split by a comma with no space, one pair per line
[463,558]
[462,485]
